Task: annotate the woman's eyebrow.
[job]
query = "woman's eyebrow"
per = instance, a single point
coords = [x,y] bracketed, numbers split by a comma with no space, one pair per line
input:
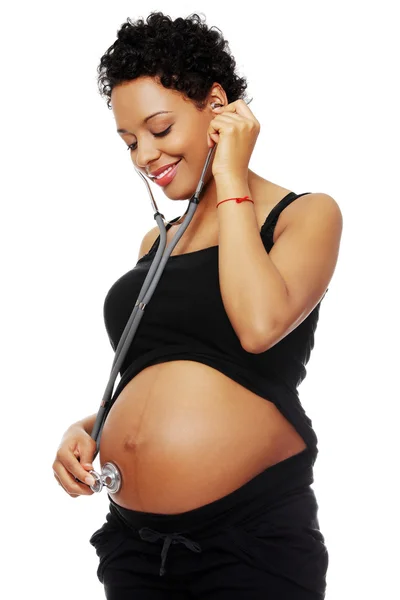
[160,112]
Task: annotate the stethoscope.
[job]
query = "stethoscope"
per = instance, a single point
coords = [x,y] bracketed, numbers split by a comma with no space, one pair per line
[110,476]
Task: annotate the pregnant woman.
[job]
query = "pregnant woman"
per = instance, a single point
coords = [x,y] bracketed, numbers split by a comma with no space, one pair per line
[206,427]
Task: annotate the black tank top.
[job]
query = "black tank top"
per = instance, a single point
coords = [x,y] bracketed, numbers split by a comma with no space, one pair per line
[186,320]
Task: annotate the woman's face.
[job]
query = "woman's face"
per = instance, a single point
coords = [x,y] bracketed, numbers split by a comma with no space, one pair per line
[186,136]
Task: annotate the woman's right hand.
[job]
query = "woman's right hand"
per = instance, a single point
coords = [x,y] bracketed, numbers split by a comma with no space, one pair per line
[74,459]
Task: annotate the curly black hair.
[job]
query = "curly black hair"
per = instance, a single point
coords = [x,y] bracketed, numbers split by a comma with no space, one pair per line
[184,55]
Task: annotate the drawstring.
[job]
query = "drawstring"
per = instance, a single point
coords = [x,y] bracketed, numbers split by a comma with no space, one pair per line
[151,535]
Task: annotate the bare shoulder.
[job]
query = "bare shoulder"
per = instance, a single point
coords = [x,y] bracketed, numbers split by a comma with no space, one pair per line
[148,240]
[318,216]
[318,204]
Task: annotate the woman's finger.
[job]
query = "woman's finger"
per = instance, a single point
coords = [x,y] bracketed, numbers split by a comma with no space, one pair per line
[70,485]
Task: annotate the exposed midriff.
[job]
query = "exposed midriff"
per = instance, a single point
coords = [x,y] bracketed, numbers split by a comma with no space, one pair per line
[183,434]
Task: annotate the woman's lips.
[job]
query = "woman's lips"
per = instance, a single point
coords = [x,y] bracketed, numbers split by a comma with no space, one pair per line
[168,177]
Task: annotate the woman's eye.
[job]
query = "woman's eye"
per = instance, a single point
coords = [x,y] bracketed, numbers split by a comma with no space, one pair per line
[161,134]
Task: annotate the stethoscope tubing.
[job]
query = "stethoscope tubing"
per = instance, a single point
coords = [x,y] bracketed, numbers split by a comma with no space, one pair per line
[145,294]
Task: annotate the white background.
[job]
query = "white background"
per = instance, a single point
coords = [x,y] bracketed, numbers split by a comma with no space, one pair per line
[324,78]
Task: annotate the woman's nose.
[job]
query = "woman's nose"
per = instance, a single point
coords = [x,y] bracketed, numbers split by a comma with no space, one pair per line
[146,157]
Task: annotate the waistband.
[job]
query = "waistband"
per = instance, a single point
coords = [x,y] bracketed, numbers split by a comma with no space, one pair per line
[264,489]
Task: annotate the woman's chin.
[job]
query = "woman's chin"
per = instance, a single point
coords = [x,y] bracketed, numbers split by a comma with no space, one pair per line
[181,194]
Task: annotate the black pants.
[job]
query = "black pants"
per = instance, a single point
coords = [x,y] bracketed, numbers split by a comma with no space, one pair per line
[262,541]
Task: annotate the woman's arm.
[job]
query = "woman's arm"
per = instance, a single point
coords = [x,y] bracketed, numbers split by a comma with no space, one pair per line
[88,423]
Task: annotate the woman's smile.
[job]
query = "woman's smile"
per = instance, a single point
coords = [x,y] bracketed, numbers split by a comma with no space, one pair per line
[167,176]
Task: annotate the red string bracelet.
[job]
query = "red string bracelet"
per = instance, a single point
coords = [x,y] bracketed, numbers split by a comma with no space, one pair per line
[238,200]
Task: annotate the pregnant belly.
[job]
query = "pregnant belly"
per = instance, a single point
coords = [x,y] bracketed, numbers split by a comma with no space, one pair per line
[183,434]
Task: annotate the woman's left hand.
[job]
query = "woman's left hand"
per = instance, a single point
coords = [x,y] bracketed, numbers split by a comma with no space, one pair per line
[235,130]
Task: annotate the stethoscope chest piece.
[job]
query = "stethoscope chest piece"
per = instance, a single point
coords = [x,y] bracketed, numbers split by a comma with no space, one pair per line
[109,477]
